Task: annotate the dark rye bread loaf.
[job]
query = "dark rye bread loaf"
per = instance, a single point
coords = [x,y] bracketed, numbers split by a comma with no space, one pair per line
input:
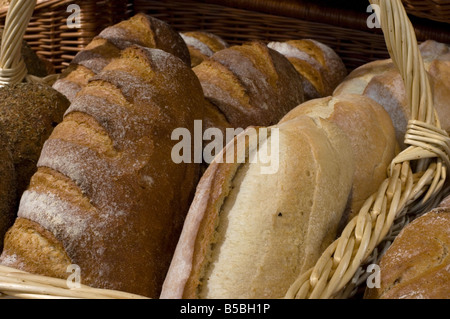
[107,195]
[250,84]
[140,29]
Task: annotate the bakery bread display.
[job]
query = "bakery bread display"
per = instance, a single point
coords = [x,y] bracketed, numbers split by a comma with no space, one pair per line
[107,195]
[240,242]
[202,45]
[371,132]
[321,68]
[416,265]
[381,81]
[140,29]
[250,84]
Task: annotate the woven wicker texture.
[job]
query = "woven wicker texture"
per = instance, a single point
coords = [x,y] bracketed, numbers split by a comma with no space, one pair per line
[49,35]
[438,10]
[334,23]
[416,176]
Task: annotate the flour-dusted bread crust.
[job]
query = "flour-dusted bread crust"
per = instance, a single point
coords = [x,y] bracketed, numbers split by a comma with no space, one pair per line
[372,136]
[417,264]
[250,84]
[320,67]
[248,234]
[202,45]
[141,29]
[107,195]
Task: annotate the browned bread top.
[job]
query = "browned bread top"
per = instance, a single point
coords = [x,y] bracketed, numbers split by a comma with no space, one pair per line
[107,195]
[417,265]
[202,45]
[250,84]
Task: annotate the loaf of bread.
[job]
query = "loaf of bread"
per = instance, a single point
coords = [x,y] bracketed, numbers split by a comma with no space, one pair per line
[249,233]
[8,186]
[202,45]
[140,29]
[107,195]
[417,264]
[250,84]
[371,132]
[320,66]
[381,81]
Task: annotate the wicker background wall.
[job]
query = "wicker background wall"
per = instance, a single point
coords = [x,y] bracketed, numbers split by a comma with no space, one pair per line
[339,24]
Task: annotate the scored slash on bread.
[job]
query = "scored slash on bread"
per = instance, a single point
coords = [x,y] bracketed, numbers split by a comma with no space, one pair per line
[247,234]
[141,29]
[107,195]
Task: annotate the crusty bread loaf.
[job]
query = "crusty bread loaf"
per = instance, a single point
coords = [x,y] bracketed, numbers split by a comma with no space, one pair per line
[107,195]
[381,81]
[372,136]
[320,67]
[250,84]
[417,264]
[249,234]
[202,45]
[8,186]
[140,29]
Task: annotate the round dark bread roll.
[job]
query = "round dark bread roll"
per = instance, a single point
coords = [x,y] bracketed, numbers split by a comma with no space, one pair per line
[28,114]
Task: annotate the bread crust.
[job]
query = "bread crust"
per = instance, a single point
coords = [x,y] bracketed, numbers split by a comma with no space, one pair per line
[107,188]
[188,273]
[251,84]
[417,264]
[141,29]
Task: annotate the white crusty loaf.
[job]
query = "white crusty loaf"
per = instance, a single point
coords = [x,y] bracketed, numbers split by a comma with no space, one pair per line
[381,81]
[107,195]
[249,234]
[372,135]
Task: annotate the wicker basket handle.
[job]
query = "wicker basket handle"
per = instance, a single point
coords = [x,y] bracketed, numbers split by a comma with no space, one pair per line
[409,189]
[12,66]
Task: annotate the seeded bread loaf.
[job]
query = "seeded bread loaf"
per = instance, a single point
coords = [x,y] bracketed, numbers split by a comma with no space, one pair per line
[248,233]
[140,29]
[107,195]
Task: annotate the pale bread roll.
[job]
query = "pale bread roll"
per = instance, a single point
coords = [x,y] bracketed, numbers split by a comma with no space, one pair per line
[249,235]
[372,136]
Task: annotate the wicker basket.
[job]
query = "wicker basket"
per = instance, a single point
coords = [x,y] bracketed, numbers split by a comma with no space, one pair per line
[243,20]
[438,10]
[49,36]
[341,25]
